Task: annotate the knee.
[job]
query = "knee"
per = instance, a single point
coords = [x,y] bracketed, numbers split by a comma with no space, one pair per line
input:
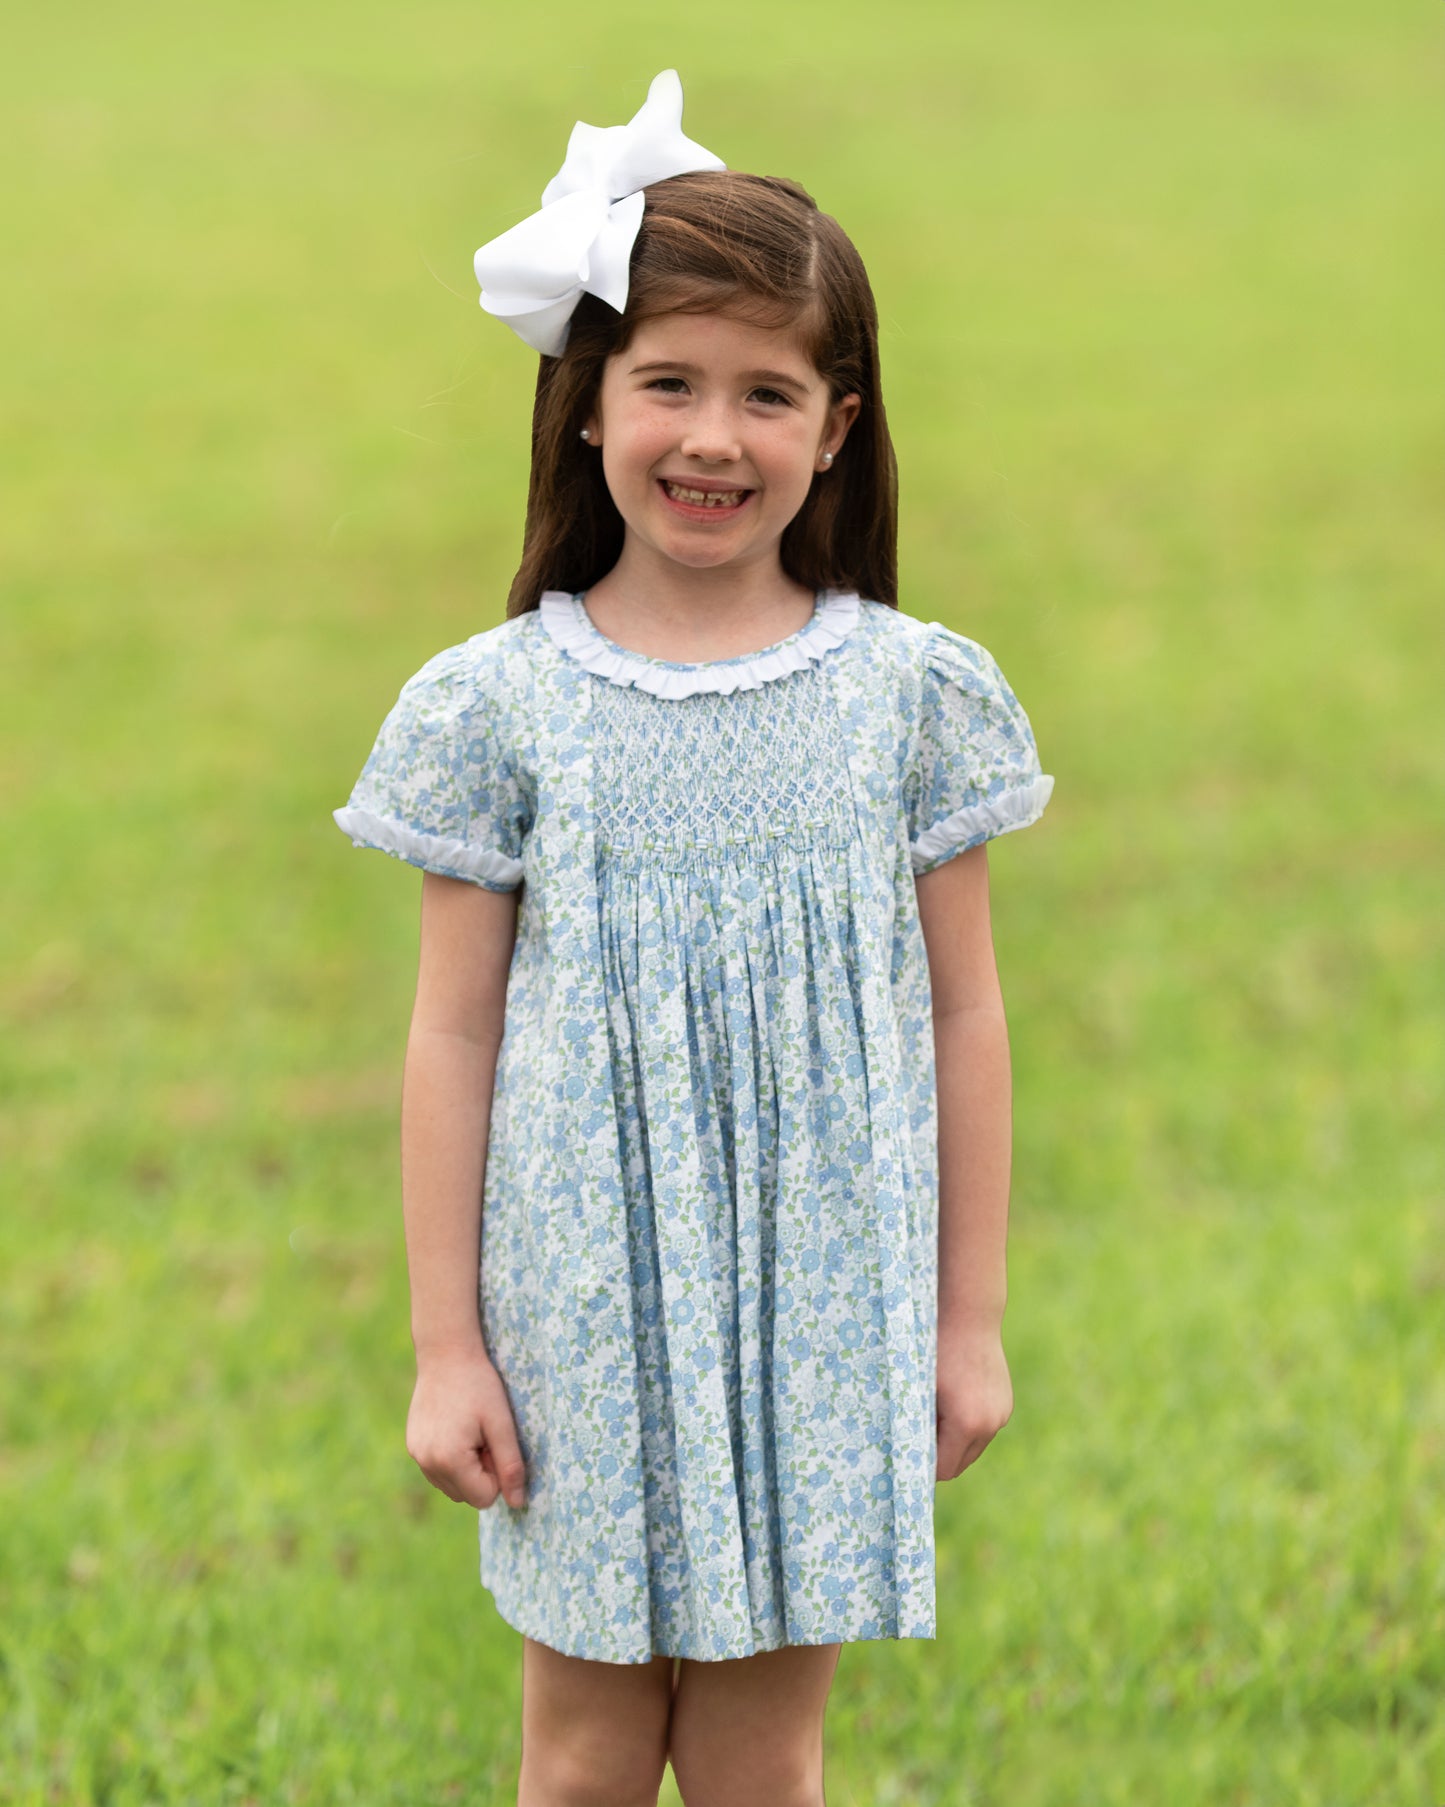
[578,1772]
[779,1777]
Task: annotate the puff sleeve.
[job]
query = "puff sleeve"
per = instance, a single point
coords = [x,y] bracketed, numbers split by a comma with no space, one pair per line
[443,787]
[974,768]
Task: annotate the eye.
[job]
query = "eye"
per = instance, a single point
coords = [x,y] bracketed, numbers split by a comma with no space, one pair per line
[658,381]
[771,395]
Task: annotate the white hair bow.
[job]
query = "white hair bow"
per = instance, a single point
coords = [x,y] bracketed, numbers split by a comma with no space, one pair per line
[582,238]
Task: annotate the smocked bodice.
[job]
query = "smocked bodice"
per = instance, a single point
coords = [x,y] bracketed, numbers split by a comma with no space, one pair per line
[674,780]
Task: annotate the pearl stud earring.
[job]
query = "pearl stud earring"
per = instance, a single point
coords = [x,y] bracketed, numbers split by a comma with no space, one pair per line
[827,458]
[586,432]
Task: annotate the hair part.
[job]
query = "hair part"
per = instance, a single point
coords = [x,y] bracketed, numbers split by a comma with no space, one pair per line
[758,249]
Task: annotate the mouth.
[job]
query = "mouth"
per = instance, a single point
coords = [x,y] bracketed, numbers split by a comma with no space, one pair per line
[698,499]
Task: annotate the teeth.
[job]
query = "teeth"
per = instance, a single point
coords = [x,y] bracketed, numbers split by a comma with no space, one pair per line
[705,498]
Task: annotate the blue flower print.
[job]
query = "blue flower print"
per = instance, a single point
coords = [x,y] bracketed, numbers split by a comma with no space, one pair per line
[709,1215]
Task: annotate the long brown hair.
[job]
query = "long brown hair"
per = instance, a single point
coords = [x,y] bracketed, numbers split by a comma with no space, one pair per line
[758,248]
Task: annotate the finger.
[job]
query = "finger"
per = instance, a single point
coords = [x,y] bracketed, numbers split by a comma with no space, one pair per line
[461,1480]
[503,1458]
[476,1484]
[957,1450]
[436,1476]
[975,1448]
[950,1449]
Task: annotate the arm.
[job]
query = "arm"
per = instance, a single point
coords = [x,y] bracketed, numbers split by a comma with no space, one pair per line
[460,1429]
[971,1052]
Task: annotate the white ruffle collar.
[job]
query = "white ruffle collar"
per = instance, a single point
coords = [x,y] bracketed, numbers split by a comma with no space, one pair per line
[571,628]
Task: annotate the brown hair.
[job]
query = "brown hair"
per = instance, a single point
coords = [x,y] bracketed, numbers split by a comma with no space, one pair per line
[758,248]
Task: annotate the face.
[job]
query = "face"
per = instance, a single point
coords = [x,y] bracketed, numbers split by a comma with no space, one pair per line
[711,431]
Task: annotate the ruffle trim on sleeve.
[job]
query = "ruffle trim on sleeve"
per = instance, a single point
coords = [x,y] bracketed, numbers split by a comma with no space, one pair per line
[434,853]
[1016,808]
[570,627]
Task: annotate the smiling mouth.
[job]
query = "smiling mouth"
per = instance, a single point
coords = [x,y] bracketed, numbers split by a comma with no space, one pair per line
[718,500]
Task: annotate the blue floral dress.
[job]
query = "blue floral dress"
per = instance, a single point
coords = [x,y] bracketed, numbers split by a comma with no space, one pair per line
[710,1206]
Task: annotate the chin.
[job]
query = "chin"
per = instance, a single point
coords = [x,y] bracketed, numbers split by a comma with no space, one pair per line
[694,556]
[700,562]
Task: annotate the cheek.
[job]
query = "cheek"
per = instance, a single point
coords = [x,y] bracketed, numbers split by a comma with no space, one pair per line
[638,442]
[791,446]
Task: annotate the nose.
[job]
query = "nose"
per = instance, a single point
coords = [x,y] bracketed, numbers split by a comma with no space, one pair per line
[711,434]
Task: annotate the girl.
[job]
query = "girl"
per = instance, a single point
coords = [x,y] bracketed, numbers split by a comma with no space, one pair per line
[707,1075]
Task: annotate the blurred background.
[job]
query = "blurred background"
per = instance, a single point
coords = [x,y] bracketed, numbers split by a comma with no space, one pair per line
[1160,292]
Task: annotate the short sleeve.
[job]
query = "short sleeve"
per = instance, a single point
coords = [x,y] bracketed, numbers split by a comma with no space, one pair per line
[443,788]
[974,768]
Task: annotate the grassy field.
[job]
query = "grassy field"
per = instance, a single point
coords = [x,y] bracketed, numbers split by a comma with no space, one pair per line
[1159,288]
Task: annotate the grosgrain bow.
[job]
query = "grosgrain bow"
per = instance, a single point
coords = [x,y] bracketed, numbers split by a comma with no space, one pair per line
[581,240]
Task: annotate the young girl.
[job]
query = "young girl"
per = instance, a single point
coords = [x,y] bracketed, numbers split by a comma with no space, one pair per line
[707,1075]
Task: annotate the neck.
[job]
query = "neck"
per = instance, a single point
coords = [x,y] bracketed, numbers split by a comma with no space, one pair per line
[669,612]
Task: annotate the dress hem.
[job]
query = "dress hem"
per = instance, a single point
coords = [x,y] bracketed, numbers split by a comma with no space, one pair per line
[509,1615]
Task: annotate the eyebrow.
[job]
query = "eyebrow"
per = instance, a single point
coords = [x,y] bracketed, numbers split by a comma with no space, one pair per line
[780,377]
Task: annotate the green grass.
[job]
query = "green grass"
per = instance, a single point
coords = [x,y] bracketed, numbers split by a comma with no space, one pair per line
[1164,371]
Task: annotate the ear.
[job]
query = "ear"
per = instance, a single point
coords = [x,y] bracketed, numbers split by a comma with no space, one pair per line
[840,418]
[592,426]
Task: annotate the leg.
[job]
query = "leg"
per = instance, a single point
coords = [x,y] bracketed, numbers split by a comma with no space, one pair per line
[593,1734]
[750,1730]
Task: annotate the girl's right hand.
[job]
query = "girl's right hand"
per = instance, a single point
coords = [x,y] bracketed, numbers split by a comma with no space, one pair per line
[461,1434]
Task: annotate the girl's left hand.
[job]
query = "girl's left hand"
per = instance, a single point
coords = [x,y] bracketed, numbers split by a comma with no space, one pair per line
[975,1396]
